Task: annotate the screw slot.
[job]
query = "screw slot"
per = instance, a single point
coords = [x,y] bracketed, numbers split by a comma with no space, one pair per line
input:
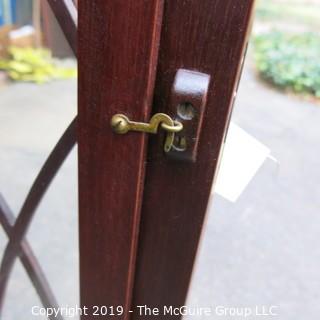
[180,143]
[186,111]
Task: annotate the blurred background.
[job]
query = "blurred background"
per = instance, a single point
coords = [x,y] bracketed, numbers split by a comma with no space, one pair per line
[260,250]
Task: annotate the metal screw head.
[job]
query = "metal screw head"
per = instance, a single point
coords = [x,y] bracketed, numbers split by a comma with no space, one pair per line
[186,111]
[120,124]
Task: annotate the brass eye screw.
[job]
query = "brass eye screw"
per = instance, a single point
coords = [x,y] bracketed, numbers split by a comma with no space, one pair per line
[121,125]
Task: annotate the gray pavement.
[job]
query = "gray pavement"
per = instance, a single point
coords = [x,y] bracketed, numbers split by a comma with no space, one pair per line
[32,119]
[261,250]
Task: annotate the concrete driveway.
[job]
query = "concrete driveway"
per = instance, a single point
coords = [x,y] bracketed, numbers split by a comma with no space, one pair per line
[262,250]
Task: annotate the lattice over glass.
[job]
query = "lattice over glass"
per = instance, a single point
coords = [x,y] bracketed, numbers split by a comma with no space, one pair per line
[16,229]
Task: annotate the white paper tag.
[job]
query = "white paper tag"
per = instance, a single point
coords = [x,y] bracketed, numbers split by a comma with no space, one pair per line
[243,155]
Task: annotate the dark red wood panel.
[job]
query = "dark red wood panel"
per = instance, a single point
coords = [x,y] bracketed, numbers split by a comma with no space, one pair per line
[207,36]
[117,50]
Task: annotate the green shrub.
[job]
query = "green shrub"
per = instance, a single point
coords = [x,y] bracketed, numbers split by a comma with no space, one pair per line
[289,61]
[292,12]
[35,65]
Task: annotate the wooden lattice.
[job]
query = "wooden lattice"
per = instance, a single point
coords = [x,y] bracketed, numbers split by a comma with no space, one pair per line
[16,229]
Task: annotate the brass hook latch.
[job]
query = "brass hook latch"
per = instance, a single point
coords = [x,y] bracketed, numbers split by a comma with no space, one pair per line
[121,125]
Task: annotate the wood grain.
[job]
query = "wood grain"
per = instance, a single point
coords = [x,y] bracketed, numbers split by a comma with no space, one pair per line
[208,36]
[117,49]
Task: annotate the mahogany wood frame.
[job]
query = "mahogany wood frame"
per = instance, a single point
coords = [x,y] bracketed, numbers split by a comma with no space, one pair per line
[209,36]
[118,45]
[118,50]
[121,191]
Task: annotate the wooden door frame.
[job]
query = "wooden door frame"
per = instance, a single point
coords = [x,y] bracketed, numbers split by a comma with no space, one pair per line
[118,62]
[117,54]
[209,37]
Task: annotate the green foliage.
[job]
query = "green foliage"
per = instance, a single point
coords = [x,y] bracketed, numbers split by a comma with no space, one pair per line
[34,65]
[290,11]
[289,61]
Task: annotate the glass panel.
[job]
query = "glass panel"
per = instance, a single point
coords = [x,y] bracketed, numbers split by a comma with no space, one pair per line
[259,253]
[38,102]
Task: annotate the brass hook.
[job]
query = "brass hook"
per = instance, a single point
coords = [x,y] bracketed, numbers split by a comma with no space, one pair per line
[121,125]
